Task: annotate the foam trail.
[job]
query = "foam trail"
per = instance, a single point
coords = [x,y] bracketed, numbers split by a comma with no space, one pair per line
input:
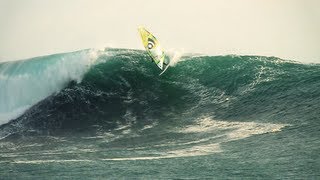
[24,83]
[52,161]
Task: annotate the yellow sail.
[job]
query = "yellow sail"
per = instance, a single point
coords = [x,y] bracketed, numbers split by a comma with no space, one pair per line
[153,47]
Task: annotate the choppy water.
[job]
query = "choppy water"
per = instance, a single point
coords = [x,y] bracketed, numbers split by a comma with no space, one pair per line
[107,114]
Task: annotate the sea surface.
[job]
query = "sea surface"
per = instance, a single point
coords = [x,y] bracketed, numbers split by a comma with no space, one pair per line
[107,114]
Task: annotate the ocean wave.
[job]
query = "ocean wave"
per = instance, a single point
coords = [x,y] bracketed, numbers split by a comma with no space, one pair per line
[103,90]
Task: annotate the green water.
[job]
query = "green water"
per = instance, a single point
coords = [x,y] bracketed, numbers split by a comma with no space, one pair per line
[207,117]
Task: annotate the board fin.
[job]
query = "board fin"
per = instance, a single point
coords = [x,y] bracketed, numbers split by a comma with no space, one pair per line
[164,70]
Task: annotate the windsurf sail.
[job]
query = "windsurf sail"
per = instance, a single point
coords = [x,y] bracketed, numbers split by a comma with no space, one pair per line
[153,48]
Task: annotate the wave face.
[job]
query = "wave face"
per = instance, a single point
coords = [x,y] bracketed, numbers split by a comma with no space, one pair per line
[91,112]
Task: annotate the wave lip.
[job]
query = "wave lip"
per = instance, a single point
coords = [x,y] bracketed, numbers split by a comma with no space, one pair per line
[26,82]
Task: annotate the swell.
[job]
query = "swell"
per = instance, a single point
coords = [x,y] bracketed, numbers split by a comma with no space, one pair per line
[124,89]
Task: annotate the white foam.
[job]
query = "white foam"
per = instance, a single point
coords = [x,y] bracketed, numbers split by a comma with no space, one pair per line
[199,150]
[239,129]
[175,57]
[50,161]
[205,146]
[149,126]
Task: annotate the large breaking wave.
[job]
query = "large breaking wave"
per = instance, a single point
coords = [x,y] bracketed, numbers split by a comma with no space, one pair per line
[95,91]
